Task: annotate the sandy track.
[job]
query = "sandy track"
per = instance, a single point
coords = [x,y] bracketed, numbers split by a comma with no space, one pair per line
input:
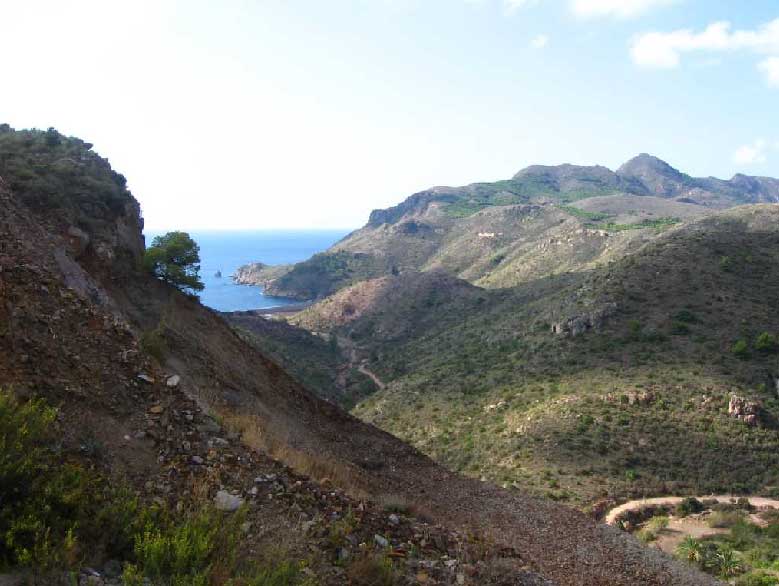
[613,514]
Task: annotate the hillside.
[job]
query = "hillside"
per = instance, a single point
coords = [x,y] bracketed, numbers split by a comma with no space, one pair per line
[602,384]
[542,222]
[156,394]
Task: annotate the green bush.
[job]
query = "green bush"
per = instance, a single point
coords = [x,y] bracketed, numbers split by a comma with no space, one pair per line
[58,515]
[652,527]
[153,343]
[740,349]
[685,316]
[766,342]
[51,172]
[689,506]
[53,511]
[758,578]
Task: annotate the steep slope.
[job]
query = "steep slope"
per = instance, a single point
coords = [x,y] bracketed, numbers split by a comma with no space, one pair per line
[73,322]
[543,221]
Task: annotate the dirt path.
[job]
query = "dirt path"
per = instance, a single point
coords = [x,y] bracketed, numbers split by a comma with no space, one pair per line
[678,528]
[613,514]
[354,362]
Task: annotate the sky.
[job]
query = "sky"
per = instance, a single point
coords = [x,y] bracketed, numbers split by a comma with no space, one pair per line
[264,114]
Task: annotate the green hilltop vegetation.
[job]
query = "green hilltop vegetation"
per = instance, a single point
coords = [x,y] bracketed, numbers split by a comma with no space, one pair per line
[590,351]
[48,170]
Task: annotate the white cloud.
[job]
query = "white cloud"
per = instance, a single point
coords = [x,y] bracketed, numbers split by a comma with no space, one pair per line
[512,5]
[751,154]
[539,41]
[664,50]
[770,69]
[615,8]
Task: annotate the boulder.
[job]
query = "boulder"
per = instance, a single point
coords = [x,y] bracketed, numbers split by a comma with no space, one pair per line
[224,501]
[745,410]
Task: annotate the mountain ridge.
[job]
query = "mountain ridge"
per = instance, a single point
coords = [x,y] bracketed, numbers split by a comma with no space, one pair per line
[485,232]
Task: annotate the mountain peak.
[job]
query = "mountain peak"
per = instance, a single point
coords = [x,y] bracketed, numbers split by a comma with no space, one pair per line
[657,176]
[645,162]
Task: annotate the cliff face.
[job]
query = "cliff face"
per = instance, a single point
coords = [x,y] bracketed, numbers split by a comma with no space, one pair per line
[76,194]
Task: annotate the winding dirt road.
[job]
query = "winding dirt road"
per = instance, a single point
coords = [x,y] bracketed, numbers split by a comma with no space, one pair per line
[613,514]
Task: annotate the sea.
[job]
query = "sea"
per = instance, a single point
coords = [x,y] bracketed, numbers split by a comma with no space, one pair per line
[222,252]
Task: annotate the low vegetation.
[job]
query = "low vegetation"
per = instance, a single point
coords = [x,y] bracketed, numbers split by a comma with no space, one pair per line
[50,171]
[748,553]
[58,515]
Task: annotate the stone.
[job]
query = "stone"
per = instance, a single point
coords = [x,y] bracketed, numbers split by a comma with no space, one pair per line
[146,378]
[198,460]
[156,409]
[380,540]
[394,519]
[173,381]
[224,501]
[745,410]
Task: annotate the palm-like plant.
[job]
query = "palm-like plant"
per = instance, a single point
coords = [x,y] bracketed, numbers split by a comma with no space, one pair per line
[726,563]
[690,549]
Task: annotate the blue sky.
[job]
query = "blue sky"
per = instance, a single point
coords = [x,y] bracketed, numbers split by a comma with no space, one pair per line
[310,113]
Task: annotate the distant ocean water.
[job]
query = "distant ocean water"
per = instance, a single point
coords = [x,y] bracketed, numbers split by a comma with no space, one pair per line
[225,251]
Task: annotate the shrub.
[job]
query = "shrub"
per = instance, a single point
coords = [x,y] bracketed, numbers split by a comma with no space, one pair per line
[654,526]
[55,513]
[740,349]
[153,343]
[724,519]
[766,342]
[685,316]
[679,328]
[689,506]
[372,570]
[690,550]
[658,523]
[52,510]
[758,578]
[722,561]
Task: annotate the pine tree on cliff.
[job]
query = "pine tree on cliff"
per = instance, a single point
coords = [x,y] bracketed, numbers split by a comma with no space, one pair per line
[175,259]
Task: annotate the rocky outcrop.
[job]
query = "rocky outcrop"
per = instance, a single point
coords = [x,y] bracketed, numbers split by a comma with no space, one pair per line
[745,410]
[582,323]
[250,274]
